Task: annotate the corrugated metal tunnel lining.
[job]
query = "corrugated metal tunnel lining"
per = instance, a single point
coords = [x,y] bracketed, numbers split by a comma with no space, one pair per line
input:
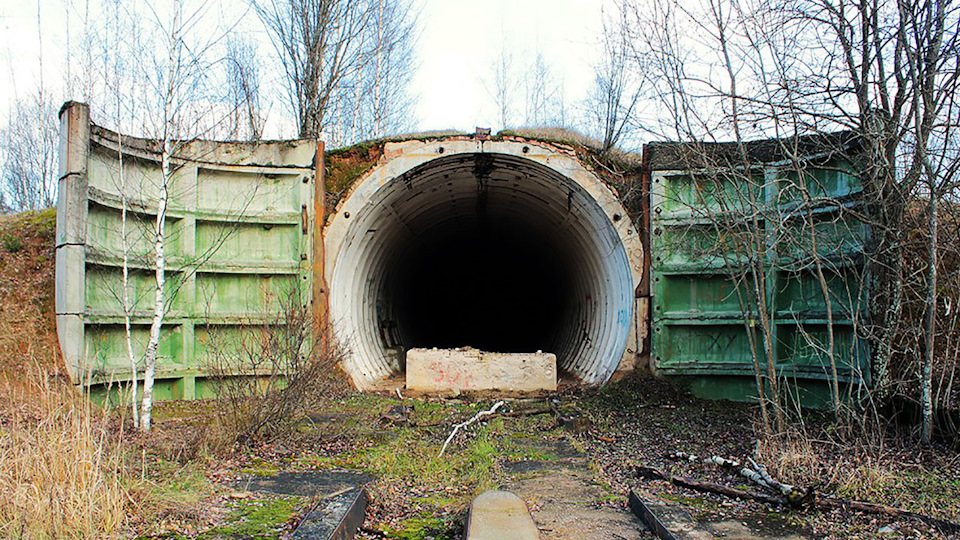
[489,250]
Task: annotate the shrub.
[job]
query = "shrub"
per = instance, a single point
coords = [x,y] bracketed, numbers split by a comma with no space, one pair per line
[267,378]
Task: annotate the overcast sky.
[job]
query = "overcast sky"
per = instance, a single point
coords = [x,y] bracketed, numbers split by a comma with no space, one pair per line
[459,43]
[462,39]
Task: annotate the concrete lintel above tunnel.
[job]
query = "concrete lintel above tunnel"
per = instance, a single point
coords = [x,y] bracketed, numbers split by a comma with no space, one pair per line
[509,246]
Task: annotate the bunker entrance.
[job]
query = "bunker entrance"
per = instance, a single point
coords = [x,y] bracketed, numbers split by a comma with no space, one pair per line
[500,286]
[488,250]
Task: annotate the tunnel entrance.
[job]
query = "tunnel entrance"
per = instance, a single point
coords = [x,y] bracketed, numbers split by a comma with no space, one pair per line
[495,250]
[491,286]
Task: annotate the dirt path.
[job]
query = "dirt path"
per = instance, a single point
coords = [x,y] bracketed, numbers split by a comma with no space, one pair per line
[564,499]
[566,505]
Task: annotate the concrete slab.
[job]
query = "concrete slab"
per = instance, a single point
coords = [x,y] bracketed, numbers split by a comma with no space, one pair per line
[761,527]
[671,521]
[528,466]
[467,369]
[304,484]
[563,457]
[568,504]
[667,521]
[498,515]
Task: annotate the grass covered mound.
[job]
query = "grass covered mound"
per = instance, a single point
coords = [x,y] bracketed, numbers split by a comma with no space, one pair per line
[27,322]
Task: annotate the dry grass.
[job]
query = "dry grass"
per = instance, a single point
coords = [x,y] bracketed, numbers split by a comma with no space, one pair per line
[61,468]
[61,464]
[897,477]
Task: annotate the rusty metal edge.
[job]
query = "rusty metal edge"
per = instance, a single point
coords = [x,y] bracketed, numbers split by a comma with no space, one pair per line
[643,512]
[319,284]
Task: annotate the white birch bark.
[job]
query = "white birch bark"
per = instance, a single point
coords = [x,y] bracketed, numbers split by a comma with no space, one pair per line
[166,166]
[926,385]
[378,106]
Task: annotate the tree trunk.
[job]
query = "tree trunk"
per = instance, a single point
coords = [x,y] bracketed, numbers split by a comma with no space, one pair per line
[166,167]
[930,324]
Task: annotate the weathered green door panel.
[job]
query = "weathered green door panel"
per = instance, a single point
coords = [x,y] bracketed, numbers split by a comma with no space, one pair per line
[714,236]
[237,248]
[833,180]
[107,346]
[698,295]
[104,291]
[838,237]
[686,348]
[801,293]
[692,244]
[105,228]
[247,242]
[229,193]
[689,194]
[242,296]
[805,347]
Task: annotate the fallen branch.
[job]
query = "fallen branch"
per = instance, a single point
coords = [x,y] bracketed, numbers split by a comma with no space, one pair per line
[756,473]
[794,495]
[602,438]
[461,425]
[706,487]
[712,460]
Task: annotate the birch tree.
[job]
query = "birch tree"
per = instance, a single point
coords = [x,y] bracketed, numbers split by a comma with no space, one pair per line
[392,67]
[616,92]
[170,99]
[245,119]
[376,100]
[346,63]
[504,88]
[28,151]
[28,154]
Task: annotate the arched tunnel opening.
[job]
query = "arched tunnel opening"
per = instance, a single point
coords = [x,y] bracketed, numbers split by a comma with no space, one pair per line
[493,251]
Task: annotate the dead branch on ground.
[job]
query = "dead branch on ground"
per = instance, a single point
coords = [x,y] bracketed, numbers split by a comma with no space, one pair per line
[461,425]
[755,472]
[707,487]
[520,413]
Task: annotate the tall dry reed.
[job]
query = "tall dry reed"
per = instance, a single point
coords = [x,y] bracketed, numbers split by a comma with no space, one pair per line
[61,467]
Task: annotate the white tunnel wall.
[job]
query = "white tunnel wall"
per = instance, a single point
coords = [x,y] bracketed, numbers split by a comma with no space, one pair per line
[376,232]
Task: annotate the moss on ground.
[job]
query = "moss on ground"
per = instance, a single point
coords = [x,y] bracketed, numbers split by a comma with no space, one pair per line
[426,528]
[258,518]
[260,467]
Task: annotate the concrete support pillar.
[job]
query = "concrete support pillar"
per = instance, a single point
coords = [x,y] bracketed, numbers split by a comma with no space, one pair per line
[71,234]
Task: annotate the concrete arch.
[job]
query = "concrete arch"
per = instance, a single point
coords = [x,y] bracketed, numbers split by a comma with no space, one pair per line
[544,252]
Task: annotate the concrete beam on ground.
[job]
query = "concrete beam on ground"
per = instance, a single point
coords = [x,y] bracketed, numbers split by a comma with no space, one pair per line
[497,515]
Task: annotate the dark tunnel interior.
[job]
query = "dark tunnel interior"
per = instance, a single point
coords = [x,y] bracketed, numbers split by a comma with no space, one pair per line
[496,288]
